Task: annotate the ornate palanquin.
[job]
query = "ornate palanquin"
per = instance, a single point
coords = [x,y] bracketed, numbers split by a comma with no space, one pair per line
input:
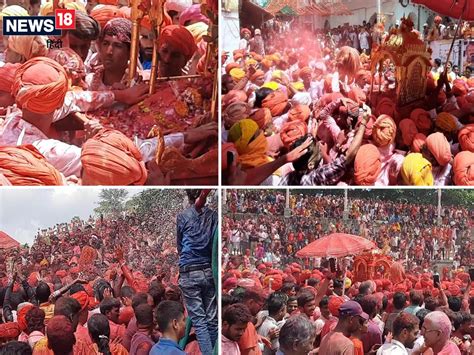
[404,48]
[366,266]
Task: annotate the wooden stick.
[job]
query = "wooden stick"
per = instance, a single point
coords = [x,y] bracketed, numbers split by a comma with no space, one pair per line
[169,78]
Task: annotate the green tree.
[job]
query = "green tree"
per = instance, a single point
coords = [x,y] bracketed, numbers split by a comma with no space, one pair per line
[141,202]
[112,201]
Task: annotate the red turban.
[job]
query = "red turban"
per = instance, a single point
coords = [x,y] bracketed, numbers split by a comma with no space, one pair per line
[25,166]
[418,141]
[292,131]
[356,94]
[262,116]
[9,331]
[233,96]
[422,120]
[230,283]
[180,38]
[108,2]
[409,131]
[459,87]
[299,113]
[454,290]
[385,106]
[439,147]
[463,168]
[334,304]
[277,281]
[466,137]
[82,297]
[21,316]
[384,131]
[244,31]
[276,102]
[61,273]
[111,158]
[40,85]
[104,13]
[7,76]
[367,165]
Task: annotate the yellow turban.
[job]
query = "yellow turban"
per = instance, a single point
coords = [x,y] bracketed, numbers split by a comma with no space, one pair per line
[198,30]
[299,86]
[44,262]
[271,85]
[13,10]
[242,132]
[250,62]
[416,170]
[446,122]
[28,46]
[237,74]
[277,74]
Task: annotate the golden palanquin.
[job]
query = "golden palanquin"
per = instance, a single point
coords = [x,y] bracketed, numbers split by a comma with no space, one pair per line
[404,48]
[366,266]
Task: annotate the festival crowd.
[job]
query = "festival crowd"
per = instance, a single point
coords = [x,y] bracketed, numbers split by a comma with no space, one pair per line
[275,303]
[107,285]
[72,114]
[302,107]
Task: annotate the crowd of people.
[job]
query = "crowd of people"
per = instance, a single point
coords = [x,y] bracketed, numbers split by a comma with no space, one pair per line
[306,108]
[111,284]
[274,302]
[76,114]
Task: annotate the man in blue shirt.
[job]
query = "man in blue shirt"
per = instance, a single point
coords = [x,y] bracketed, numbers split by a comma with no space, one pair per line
[172,324]
[196,226]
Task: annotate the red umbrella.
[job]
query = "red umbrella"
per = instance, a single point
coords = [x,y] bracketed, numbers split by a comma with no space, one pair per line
[451,8]
[336,245]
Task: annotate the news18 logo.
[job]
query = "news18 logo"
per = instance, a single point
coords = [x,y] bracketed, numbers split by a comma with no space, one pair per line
[63,19]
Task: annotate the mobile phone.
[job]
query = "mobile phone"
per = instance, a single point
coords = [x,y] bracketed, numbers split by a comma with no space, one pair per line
[436,280]
[332,264]
[230,158]
[471,274]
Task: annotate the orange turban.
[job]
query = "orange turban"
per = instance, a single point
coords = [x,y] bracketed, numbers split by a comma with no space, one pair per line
[463,168]
[21,315]
[418,141]
[108,2]
[180,38]
[459,87]
[385,107]
[234,96]
[334,304]
[82,297]
[292,131]
[234,113]
[104,13]
[111,158]
[439,147]
[28,46]
[470,82]
[7,76]
[409,131]
[356,94]
[262,116]
[305,71]
[422,120]
[40,85]
[466,138]
[25,166]
[299,113]
[276,102]
[367,165]
[384,131]
[259,74]
[446,122]
[231,66]
[266,63]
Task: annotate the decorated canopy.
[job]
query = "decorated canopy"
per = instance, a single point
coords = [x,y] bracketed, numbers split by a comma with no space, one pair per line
[336,245]
[451,8]
[7,242]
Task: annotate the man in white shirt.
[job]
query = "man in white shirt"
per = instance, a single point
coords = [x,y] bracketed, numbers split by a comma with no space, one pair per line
[272,323]
[244,41]
[405,331]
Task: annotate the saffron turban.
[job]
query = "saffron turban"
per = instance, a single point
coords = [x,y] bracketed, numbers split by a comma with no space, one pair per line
[109,2]
[231,66]
[446,122]
[40,85]
[299,113]
[466,137]
[22,310]
[385,107]
[252,150]
[367,165]
[356,94]
[237,74]
[82,297]
[305,71]
[463,168]
[459,87]
[104,13]
[235,112]
[47,8]
[422,120]
[439,147]
[418,142]
[408,130]
[111,158]
[416,170]
[192,13]
[259,74]
[13,10]
[292,131]
[234,96]
[262,117]
[24,165]
[180,38]
[7,76]
[242,132]
[384,131]
[276,102]
[334,304]
[198,30]
[28,46]
[349,59]
[238,54]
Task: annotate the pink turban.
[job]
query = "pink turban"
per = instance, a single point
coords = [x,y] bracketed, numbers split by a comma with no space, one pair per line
[439,147]
[418,141]
[463,168]
[192,13]
[422,120]
[466,137]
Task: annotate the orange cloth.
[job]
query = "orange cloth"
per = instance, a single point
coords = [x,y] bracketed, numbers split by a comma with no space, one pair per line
[305,71]
[40,85]
[21,316]
[104,13]
[367,165]
[111,158]
[358,346]
[83,298]
[7,76]
[384,130]
[422,120]
[180,38]
[299,113]
[276,102]
[439,147]
[466,138]
[408,130]
[262,117]
[463,168]
[292,131]
[418,141]
[25,166]
[249,340]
